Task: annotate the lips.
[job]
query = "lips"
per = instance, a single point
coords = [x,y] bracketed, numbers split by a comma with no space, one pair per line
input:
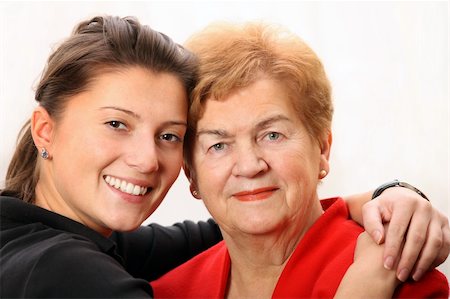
[256,194]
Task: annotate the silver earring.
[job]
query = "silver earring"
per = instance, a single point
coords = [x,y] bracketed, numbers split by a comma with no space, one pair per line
[44,154]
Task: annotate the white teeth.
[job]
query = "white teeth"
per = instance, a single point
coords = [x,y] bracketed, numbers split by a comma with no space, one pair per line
[130,188]
[125,186]
[116,184]
[136,190]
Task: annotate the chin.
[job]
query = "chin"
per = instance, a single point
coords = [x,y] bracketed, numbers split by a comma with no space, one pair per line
[124,224]
[128,228]
[258,227]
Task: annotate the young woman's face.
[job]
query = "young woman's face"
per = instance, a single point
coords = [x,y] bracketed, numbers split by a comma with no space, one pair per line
[117,149]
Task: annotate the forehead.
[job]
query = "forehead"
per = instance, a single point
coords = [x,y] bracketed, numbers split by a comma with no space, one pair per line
[134,86]
[263,97]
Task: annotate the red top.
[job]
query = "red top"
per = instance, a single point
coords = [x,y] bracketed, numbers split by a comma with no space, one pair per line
[315,269]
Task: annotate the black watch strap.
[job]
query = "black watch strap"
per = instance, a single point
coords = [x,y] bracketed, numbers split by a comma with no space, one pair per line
[397,183]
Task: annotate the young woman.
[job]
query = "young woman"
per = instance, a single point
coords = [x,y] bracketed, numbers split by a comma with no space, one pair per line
[97,157]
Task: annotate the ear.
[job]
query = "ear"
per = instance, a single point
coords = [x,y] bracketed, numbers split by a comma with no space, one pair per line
[192,185]
[42,127]
[325,149]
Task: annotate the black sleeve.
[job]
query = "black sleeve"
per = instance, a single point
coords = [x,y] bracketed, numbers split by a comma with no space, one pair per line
[153,250]
[79,270]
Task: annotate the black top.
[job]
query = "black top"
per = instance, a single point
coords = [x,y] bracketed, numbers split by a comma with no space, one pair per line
[44,254]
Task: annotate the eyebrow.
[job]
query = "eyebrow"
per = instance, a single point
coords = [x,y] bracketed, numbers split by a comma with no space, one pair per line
[221,133]
[268,121]
[138,117]
[260,125]
[129,112]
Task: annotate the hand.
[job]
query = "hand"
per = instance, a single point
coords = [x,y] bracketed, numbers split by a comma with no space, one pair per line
[427,237]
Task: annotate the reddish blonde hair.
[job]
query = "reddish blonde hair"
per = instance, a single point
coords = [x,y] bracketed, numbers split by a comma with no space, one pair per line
[233,56]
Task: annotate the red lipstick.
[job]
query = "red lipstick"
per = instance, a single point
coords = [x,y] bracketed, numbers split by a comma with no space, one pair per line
[257,194]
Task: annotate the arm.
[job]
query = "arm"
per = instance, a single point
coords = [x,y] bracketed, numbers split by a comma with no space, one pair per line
[405,210]
[153,250]
[78,269]
[366,278]
[355,205]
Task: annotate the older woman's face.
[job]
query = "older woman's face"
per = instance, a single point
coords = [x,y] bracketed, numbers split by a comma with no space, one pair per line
[256,166]
[117,149]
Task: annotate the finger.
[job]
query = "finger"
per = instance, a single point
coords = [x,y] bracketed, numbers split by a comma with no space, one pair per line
[436,248]
[395,235]
[373,221]
[430,250]
[420,230]
[445,249]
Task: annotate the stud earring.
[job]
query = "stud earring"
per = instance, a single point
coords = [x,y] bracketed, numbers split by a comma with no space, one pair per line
[44,154]
[322,173]
[195,193]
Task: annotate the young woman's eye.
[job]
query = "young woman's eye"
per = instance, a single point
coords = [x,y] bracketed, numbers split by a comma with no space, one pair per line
[117,125]
[170,137]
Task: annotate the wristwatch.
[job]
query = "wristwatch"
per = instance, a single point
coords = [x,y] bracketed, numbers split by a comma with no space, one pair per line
[397,183]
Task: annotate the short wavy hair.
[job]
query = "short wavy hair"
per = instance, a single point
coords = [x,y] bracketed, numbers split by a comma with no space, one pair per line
[233,56]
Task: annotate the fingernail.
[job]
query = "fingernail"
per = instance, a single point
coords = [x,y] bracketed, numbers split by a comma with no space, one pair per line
[376,235]
[388,262]
[417,274]
[403,274]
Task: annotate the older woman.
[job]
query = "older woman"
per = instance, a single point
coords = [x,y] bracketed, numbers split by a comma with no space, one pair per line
[258,145]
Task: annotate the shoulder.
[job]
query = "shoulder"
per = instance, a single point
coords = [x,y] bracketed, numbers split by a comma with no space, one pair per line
[51,263]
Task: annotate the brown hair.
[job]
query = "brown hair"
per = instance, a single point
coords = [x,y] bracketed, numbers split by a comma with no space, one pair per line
[102,43]
[233,56]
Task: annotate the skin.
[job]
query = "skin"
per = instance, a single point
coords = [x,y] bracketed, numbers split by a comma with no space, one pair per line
[263,203]
[105,131]
[364,278]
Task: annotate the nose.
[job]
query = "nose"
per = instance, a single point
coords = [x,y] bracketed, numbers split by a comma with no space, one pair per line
[249,161]
[144,155]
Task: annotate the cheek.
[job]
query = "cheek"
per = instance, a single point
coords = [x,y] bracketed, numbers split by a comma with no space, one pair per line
[84,152]
[171,162]
[299,169]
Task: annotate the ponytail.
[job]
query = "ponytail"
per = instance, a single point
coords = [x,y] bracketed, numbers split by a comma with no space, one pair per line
[21,177]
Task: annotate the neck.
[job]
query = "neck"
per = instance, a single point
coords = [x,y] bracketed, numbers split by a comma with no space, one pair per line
[256,266]
[257,261]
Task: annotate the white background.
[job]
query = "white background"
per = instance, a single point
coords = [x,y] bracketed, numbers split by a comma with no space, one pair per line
[387,61]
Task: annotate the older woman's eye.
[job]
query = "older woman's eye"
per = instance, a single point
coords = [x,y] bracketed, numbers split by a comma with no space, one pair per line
[218,146]
[117,125]
[273,136]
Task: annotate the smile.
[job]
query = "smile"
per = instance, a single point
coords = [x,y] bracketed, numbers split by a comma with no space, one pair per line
[257,194]
[125,186]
